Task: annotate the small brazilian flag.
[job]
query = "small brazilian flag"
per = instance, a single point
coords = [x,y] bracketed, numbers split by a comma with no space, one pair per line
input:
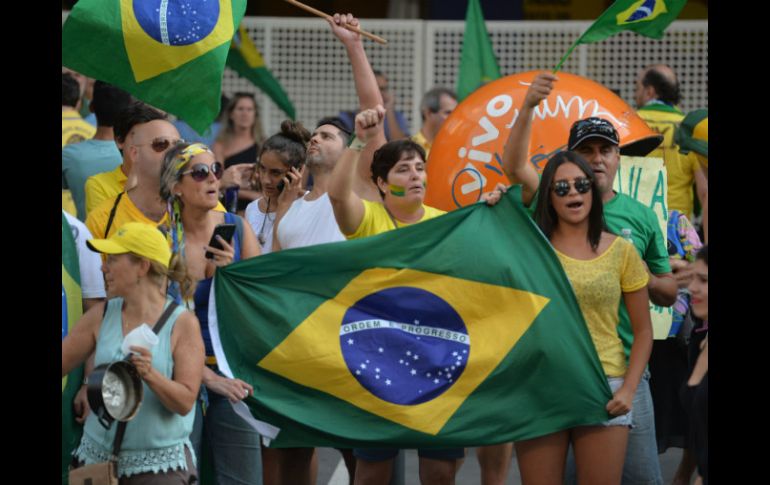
[245,59]
[168,53]
[459,331]
[478,64]
[649,18]
[71,309]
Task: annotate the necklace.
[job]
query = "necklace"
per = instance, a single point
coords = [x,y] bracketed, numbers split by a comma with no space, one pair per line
[261,235]
[392,219]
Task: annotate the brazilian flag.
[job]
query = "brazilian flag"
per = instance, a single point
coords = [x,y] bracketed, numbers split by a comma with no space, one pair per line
[649,18]
[245,59]
[71,309]
[168,53]
[459,331]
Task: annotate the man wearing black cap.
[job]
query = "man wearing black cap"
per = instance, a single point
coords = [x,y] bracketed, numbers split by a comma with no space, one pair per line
[597,141]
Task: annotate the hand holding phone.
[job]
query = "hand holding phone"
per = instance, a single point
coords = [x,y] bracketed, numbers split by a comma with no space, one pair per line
[226,231]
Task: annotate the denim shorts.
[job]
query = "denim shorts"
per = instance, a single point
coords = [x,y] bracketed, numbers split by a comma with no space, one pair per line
[623,419]
[382,454]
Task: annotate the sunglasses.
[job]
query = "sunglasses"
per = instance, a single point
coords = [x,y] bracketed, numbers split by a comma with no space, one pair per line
[200,171]
[562,187]
[159,145]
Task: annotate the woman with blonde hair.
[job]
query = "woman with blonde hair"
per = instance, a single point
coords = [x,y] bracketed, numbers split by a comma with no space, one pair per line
[156,447]
[190,179]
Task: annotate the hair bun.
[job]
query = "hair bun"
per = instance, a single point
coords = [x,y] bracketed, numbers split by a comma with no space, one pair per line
[294,131]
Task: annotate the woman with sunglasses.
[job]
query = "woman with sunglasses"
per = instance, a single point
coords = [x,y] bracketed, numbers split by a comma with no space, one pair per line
[190,184]
[239,139]
[156,448]
[602,268]
[281,154]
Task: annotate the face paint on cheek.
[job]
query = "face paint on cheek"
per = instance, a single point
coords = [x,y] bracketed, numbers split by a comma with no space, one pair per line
[396,190]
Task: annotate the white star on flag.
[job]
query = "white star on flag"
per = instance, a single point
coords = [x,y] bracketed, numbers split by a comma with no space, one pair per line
[414,372]
[350,341]
[387,382]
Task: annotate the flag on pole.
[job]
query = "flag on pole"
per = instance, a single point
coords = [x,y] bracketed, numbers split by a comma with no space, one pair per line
[649,18]
[478,64]
[169,54]
[71,309]
[459,331]
[245,59]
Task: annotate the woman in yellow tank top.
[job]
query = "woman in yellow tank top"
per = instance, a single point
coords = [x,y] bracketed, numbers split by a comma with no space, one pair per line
[602,267]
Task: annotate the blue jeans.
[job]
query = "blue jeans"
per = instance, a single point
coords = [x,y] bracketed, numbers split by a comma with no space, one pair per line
[642,466]
[234,444]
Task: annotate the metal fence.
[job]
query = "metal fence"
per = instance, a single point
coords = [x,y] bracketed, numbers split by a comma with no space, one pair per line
[312,66]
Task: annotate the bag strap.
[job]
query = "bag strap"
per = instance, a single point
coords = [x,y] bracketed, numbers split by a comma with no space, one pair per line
[163,318]
[122,424]
[112,214]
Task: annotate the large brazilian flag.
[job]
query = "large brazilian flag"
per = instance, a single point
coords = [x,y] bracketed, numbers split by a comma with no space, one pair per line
[168,53]
[459,331]
[71,309]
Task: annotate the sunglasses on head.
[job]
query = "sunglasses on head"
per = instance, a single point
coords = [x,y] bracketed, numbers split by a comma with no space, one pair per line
[582,185]
[200,171]
[159,145]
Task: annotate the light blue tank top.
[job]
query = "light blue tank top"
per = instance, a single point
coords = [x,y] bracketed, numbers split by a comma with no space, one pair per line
[154,440]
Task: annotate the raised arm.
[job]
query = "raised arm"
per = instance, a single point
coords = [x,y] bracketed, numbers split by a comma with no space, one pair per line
[366,84]
[348,206]
[515,164]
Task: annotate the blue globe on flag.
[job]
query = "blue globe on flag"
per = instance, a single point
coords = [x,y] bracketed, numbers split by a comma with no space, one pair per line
[405,345]
[177,22]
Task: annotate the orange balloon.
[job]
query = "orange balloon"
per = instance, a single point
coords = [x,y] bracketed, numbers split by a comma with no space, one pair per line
[466,157]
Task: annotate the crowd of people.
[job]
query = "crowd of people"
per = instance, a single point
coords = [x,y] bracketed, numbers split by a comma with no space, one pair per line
[149,201]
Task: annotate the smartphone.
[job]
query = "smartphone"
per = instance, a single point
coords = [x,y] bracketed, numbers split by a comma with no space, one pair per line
[224,230]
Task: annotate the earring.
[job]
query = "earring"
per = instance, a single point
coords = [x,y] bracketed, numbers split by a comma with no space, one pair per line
[179,194]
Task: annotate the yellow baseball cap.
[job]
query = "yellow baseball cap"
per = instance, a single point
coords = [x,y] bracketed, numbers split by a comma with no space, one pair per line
[139,238]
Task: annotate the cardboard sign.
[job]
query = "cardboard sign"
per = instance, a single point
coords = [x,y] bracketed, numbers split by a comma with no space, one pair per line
[645,179]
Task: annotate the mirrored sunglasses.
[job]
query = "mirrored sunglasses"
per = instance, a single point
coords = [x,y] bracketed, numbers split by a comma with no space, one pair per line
[562,187]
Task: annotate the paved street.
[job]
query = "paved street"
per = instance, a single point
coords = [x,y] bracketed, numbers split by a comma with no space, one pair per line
[331,469]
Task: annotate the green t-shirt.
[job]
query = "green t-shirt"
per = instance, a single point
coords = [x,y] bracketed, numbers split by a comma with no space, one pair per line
[623,212]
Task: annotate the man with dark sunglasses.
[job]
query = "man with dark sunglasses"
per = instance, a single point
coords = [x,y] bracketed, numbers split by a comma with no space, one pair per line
[144,135]
[597,140]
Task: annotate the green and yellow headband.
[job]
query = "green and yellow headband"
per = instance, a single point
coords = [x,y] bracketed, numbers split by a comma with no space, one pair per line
[184,157]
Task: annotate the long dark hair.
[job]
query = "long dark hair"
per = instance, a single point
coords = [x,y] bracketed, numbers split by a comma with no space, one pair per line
[545,214]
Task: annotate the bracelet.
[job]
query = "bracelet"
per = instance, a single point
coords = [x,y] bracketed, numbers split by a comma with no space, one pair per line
[356,144]
[85,381]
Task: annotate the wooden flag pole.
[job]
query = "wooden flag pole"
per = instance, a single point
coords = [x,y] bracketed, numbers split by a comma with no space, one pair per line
[366,34]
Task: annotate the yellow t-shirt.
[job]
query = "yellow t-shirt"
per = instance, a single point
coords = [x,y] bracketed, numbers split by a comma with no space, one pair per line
[376,219]
[103,186]
[681,168]
[125,212]
[599,284]
[420,139]
[74,128]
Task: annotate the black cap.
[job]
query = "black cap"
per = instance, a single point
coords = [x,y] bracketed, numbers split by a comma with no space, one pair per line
[336,122]
[592,128]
